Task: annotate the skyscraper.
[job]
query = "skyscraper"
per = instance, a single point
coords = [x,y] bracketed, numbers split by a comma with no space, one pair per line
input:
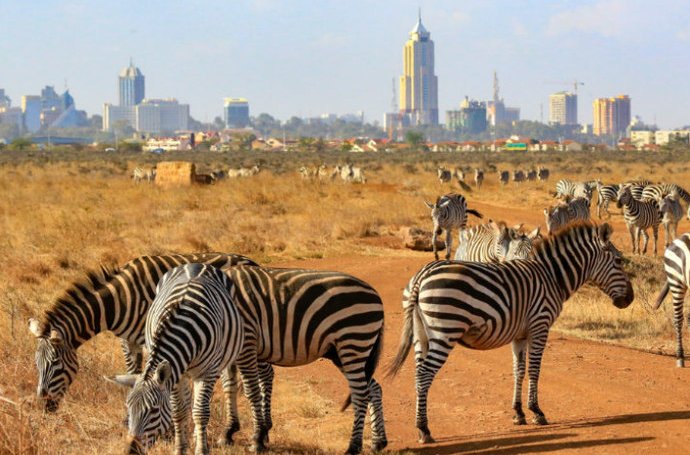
[611,116]
[236,112]
[131,86]
[563,108]
[419,84]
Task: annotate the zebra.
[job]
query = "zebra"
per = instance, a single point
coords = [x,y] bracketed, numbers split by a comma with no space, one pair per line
[148,174]
[494,242]
[449,212]
[531,175]
[503,177]
[112,299]
[459,174]
[478,178]
[605,195]
[243,171]
[443,175]
[542,174]
[487,305]
[518,176]
[204,179]
[671,214]
[306,173]
[565,188]
[576,209]
[193,331]
[294,317]
[660,190]
[677,267]
[639,216]
[357,175]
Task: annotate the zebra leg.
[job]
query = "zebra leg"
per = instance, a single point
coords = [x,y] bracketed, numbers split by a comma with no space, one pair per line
[249,369]
[434,236]
[645,237]
[229,380]
[449,242]
[667,235]
[266,375]
[678,294]
[536,351]
[632,229]
[378,430]
[359,394]
[203,390]
[180,400]
[655,231]
[425,371]
[519,376]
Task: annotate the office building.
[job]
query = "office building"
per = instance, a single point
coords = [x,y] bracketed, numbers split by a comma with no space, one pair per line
[131,86]
[611,116]
[31,109]
[563,108]
[5,100]
[236,112]
[470,119]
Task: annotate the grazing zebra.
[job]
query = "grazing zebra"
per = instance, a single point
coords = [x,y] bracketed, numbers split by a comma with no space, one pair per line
[294,317]
[494,242]
[114,300]
[661,190]
[204,179]
[639,216]
[486,306]
[518,176]
[671,214]
[478,178]
[449,213]
[542,174]
[565,188]
[443,175]
[576,209]
[677,267]
[148,174]
[503,177]
[193,331]
[605,195]
[531,175]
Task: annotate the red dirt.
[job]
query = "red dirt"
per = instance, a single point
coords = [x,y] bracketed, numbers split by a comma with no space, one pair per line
[598,398]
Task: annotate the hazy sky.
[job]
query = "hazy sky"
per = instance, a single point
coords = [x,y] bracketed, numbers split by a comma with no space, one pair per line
[307,57]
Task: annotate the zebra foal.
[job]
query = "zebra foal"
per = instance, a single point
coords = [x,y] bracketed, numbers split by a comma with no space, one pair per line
[494,242]
[449,212]
[486,306]
[639,216]
[193,331]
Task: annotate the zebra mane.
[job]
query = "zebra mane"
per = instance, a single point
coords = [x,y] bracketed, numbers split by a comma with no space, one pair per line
[565,231]
[94,281]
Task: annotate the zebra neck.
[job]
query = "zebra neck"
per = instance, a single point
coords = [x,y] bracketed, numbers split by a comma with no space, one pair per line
[565,271]
[177,365]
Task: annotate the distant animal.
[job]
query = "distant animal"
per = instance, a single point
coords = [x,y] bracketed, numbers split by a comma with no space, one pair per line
[503,177]
[306,173]
[357,174]
[486,306]
[677,267]
[478,178]
[449,213]
[443,175]
[460,174]
[605,195]
[518,176]
[194,331]
[542,174]
[144,174]
[204,179]
[565,188]
[219,174]
[639,216]
[671,214]
[243,171]
[531,175]
[494,242]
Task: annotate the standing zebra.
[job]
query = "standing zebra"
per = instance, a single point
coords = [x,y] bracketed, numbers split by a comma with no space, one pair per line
[494,242]
[661,190]
[459,174]
[518,176]
[294,317]
[478,178]
[148,174]
[449,212]
[486,306]
[115,300]
[542,174]
[531,175]
[605,195]
[503,177]
[576,209]
[639,216]
[565,188]
[443,175]
[677,267]
[671,214]
[193,331]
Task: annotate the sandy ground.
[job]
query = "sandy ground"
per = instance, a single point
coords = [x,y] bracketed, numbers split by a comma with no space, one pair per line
[598,398]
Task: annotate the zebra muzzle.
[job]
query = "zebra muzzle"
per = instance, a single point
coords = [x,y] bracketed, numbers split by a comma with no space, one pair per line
[627,299]
[135,447]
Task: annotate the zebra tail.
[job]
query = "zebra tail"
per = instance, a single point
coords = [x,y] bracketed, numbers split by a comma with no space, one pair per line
[475,213]
[370,365]
[662,296]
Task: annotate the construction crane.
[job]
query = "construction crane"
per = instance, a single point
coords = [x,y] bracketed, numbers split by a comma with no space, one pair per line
[575,84]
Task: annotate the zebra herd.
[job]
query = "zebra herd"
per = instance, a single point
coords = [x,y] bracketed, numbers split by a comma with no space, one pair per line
[347,173]
[445,176]
[519,176]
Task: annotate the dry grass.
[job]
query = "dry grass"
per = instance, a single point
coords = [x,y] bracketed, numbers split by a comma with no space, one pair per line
[60,218]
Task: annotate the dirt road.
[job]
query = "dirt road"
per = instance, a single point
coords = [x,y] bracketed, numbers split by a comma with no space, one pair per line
[598,398]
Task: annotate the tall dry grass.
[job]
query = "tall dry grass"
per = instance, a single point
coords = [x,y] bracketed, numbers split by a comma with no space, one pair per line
[61,217]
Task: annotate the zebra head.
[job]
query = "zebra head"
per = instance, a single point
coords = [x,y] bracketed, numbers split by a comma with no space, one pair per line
[607,268]
[624,196]
[56,362]
[520,244]
[148,405]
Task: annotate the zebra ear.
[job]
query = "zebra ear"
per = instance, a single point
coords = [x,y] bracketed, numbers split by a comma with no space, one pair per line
[535,234]
[55,336]
[429,204]
[125,380]
[517,227]
[605,232]
[35,327]
[163,372]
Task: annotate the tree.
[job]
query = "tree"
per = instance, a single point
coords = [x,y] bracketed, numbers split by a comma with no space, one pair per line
[218,124]
[20,143]
[414,138]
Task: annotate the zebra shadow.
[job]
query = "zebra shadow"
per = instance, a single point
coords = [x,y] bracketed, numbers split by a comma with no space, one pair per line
[624,419]
[515,445]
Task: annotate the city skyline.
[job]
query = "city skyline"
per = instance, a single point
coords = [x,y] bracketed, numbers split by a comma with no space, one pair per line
[304,59]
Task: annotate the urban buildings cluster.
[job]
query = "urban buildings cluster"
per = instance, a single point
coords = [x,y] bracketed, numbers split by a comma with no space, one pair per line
[47,110]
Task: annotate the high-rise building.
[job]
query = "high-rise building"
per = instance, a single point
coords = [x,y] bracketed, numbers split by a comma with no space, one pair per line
[161,116]
[236,112]
[419,84]
[563,108]
[31,108]
[470,119]
[131,86]
[5,100]
[611,116]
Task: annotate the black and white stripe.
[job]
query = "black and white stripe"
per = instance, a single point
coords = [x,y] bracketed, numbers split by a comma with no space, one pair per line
[677,267]
[486,306]
[605,195]
[494,242]
[140,174]
[639,216]
[660,190]
[567,188]
[557,217]
[193,331]
[115,300]
[448,213]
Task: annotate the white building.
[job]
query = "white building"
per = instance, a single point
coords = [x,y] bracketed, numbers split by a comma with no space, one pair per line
[563,108]
[151,116]
[663,137]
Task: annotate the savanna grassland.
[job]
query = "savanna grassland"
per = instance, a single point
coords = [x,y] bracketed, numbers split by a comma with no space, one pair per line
[65,213]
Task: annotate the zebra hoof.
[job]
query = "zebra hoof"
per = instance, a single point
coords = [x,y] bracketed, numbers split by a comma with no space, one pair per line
[258,448]
[425,438]
[377,446]
[229,433]
[353,450]
[540,419]
[519,420]
[680,363]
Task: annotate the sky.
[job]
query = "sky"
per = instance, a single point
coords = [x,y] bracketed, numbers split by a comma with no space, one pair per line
[307,57]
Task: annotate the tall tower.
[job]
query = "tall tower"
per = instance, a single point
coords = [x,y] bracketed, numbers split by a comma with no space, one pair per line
[419,84]
[563,108]
[131,85]
[611,115]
